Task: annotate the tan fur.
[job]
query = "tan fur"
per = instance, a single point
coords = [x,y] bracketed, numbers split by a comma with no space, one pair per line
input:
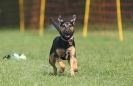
[73,60]
[60,52]
[62,66]
[72,29]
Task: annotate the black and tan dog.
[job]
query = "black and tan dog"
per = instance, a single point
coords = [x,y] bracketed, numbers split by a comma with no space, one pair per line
[63,47]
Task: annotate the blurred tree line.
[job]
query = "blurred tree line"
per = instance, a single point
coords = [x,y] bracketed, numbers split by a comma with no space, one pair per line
[9,13]
[100,11]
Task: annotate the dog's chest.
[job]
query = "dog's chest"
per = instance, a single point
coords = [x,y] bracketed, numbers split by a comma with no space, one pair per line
[65,53]
[62,53]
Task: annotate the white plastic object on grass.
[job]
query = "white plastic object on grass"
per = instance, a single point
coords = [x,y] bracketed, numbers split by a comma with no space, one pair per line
[15,56]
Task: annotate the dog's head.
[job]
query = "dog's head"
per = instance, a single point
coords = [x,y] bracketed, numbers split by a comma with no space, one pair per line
[65,28]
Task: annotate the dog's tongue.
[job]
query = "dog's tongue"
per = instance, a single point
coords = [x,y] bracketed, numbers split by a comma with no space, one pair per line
[67,36]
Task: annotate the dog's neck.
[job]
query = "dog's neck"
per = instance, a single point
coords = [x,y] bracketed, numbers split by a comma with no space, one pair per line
[70,39]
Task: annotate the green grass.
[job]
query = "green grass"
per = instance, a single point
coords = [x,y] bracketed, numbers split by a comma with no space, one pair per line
[102,60]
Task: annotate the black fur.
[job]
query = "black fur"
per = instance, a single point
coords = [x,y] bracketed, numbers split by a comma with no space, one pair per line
[59,43]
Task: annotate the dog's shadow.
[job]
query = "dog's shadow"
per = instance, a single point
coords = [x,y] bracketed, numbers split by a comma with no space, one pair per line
[50,73]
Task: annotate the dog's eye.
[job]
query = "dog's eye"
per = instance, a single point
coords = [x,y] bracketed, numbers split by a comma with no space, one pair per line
[70,25]
[63,26]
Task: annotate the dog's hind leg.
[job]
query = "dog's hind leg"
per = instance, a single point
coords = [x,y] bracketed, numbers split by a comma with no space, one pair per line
[52,61]
[62,66]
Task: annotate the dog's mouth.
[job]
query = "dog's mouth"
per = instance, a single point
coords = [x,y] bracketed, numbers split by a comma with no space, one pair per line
[67,35]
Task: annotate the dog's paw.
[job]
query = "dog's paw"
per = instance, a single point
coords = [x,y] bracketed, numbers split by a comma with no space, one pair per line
[76,70]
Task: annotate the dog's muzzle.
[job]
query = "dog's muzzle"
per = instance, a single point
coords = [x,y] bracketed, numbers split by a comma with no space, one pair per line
[67,35]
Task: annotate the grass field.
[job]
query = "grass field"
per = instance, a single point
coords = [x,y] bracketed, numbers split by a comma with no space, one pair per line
[102,60]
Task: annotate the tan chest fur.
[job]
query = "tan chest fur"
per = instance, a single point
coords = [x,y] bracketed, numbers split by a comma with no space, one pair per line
[62,52]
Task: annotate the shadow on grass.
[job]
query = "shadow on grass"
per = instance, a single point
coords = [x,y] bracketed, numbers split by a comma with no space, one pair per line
[50,73]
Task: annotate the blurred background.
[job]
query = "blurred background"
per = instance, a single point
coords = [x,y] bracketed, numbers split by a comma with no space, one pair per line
[105,56]
[102,12]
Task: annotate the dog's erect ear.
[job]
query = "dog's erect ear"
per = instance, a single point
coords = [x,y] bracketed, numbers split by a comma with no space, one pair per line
[60,20]
[73,19]
[57,26]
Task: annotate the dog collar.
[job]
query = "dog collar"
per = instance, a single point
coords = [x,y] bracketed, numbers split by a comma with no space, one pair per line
[68,39]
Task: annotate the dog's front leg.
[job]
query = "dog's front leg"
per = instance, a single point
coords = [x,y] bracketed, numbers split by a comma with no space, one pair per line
[72,67]
[73,64]
[73,60]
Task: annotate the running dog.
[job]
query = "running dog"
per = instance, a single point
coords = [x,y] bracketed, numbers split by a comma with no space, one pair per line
[63,47]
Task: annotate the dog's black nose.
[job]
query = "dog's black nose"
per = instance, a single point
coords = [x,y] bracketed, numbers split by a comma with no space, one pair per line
[66,32]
